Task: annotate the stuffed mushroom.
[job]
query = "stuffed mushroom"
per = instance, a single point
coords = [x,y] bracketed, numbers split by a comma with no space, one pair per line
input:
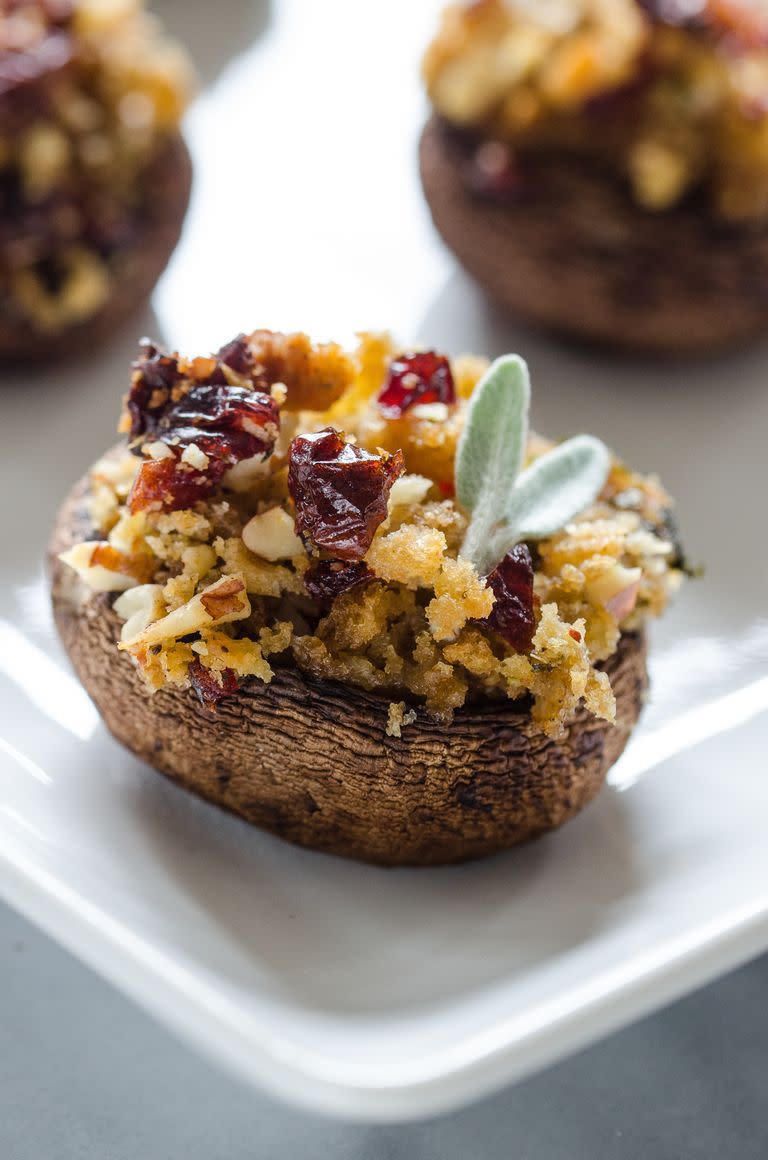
[351,597]
[94,174]
[601,166]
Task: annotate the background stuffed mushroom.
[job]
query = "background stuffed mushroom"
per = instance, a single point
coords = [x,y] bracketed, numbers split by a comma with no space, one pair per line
[94,174]
[601,166]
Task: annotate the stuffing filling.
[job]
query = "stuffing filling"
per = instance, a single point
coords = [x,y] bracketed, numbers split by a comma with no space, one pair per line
[670,94]
[239,529]
[90,92]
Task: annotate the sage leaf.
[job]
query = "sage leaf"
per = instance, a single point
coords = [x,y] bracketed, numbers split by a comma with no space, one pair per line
[491,450]
[555,488]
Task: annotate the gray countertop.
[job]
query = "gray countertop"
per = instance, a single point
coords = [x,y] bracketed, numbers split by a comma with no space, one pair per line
[84,1075]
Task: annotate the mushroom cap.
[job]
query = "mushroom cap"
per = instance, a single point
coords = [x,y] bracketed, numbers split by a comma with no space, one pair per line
[165,186]
[311,760]
[575,255]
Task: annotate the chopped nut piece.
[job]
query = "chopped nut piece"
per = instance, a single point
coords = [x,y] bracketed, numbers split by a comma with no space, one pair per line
[219,603]
[617,589]
[158,450]
[223,599]
[195,457]
[139,607]
[101,566]
[271,535]
[409,489]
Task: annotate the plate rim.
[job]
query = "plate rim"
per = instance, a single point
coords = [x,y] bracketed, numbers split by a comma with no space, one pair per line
[177,998]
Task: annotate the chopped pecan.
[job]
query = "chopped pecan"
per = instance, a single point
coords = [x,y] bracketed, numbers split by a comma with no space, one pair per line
[224,598]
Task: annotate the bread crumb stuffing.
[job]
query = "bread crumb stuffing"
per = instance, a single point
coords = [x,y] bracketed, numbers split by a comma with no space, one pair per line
[415,627]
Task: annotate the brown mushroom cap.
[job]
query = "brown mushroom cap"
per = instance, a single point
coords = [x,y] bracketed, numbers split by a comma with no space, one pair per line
[165,186]
[575,255]
[311,761]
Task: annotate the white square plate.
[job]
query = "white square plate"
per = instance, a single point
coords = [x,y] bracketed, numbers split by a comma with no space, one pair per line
[352,990]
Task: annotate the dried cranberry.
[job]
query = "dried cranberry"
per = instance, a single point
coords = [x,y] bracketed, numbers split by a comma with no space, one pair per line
[512,615]
[227,423]
[237,355]
[154,376]
[163,404]
[208,689]
[416,378]
[340,491]
[494,173]
[169,485]
[326,579]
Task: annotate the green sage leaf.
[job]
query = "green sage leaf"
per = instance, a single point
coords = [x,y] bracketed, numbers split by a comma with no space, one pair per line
[491,449]
[555,488]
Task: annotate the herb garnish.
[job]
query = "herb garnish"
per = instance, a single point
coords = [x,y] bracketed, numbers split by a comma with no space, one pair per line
[507,505]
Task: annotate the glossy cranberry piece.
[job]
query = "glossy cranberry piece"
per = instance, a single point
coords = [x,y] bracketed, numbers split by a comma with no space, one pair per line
[325,580]
[340,491]
[227,423]
[424,377]
[208,689]
[237,355]
[494,173]
[169,485]
[162,405]
[154,376]
[512,615]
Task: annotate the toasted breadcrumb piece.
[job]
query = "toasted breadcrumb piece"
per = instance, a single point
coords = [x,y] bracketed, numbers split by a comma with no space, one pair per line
[358,619]
[411,555]
[429,445]
[314,376]
[261,577]
[398,717]
[460,595]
